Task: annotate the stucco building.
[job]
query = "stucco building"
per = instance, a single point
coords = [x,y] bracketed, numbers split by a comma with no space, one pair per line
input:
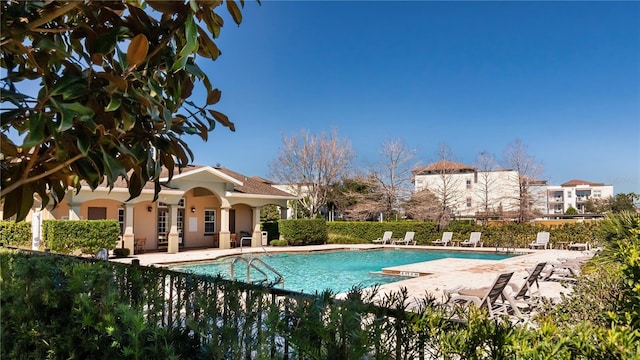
[202,206]
[575,194]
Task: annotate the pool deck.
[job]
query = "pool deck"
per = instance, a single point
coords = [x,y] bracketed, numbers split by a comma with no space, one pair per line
[431,277]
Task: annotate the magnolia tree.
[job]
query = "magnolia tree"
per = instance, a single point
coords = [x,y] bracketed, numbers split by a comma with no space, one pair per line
[113,82]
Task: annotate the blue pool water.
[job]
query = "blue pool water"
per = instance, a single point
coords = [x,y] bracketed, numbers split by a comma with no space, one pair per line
[338,271]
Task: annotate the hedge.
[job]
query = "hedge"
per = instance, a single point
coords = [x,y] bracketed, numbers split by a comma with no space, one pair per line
[303,231]
[66,236]
[495,235]
[15,233]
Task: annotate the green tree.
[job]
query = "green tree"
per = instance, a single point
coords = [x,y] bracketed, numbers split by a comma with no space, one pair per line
[571,211]
[270,213]
[624,202]
[115,78]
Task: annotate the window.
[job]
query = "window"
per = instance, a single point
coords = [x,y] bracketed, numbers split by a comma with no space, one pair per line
[121,220]
[468,202]
[468,184]
[569,194]
[162,221]
[209,221]
[97,213]
[597,193]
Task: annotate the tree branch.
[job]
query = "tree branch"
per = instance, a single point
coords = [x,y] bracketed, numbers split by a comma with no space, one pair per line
[25,181]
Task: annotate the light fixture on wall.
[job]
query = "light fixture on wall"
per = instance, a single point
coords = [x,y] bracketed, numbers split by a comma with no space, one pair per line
[149,208]
[193,209]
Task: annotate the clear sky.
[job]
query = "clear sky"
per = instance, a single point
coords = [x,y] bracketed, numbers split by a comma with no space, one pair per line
[563,77]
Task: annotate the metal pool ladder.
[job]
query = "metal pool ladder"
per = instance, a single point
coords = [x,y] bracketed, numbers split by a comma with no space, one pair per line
[255,263]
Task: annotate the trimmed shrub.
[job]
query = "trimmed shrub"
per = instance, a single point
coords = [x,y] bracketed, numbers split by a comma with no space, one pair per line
[353,232]
[279,243]
[15,233]
[66,236]
[121,252]
[271,227]
[304,231]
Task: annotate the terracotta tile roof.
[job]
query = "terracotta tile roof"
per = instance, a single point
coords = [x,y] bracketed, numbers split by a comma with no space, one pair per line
[575,182]
[446,166]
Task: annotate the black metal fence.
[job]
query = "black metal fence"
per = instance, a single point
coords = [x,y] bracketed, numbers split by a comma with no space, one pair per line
[235,320]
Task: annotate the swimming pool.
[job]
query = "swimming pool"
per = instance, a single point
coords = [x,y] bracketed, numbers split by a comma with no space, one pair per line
[338,271]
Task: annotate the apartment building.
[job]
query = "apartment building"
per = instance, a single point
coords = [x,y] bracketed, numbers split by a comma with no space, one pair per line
[470,192]
[575,194]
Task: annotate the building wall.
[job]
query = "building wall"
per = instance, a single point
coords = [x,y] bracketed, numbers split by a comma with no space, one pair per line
[467,190]
[560,198]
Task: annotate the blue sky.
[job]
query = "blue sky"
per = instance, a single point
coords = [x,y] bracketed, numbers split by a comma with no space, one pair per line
[563,77]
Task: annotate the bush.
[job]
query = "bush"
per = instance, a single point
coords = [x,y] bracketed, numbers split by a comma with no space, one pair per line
[121,252]
[279,243]
[303,231]
[15,233]
[351,232]
[66,236]
[271,227]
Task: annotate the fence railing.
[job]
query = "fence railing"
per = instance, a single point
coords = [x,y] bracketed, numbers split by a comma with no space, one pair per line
[236,320]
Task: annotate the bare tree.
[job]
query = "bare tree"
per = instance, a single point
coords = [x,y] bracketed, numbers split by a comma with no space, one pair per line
[393,174]
[309,164]
[423,206]
[487,183]
[528,171]
[447,186]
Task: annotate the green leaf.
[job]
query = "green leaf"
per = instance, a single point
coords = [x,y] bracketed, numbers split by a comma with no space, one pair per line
[180,63]
[69,112]
[70,87]
[191,34]
[36,133]
[114,104]
[84,144]
[195,70]
[128,120]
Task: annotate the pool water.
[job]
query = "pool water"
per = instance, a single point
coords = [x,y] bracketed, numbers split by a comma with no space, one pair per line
[338,271]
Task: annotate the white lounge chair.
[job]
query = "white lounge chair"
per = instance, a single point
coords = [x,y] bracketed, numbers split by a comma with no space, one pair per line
[408,238]
[542,240]
[386,238]
[474,240]
[446,239]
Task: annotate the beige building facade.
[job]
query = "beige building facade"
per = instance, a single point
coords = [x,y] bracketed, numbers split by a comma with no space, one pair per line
[201,207]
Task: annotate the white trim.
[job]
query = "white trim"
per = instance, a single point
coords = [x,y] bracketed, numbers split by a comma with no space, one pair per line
[230,194]
[208,169]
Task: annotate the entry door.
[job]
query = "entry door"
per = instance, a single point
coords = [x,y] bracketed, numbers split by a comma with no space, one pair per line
[164,225]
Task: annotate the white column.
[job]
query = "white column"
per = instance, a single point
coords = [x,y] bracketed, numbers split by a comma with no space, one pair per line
[128,236]
[36,230]
[74,211]
[173,238]
[224,236]
[256,237]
